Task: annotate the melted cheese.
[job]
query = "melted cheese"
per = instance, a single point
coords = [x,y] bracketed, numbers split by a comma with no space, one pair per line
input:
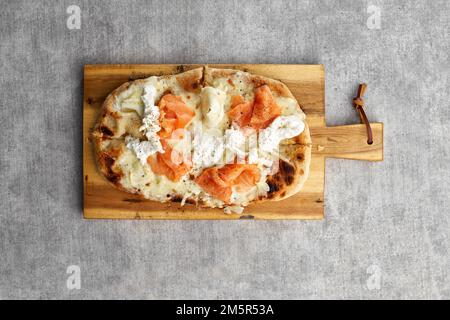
[133,103]
[289,107]
[211,133]
[235,85]
[212,103]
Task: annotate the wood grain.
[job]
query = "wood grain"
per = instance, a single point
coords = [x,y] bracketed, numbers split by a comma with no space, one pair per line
[306,82]
[348,142]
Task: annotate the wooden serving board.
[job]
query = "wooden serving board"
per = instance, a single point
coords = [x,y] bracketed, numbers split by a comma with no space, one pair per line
[102,201]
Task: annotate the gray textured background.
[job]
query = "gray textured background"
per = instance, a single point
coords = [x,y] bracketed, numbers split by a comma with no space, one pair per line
[394,214]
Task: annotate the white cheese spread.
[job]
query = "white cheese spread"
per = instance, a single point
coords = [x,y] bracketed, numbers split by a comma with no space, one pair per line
[212,103]
[283,127]
[208,148]
[150,121]
[234,143]
[142,149]
[150,127]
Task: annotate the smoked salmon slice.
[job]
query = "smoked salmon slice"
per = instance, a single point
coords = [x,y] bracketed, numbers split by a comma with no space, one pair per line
[265,110]
[242,176]
[218,181]
[170,163]
[174,114]
[257,114]
[241,111]
[208,180]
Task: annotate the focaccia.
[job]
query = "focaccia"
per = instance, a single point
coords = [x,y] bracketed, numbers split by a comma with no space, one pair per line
[210,137]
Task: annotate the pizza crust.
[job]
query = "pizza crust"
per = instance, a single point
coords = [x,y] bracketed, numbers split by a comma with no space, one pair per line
[113,125]
[292,174]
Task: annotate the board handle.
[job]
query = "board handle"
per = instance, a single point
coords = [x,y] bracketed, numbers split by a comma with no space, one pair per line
[348,142]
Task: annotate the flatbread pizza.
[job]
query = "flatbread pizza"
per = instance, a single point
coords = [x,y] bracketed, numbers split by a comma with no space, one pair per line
[209,137]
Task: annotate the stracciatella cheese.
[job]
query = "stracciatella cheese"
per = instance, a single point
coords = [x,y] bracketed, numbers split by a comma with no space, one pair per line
[283,127]
[234,143]
[150,125]
[208,148]
[143,149]
[150,121]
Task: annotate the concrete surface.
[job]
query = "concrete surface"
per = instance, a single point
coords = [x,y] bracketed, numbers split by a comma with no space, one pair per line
[386,231]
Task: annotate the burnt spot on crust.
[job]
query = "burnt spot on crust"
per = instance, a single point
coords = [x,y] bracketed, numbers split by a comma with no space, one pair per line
[114,153]
[287,171]
[289,180]
[180,68]
[274,187]
[202,79]
[108,163]
[90,100]
[284,177]
[137,75]
[115,115]
[113,177]
[106,131]
[176,198]
[248,217]
[179,198]
[300,157]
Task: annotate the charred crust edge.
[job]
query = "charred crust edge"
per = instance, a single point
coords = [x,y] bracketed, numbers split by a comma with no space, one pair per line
[106,131]
[287,172]
[107,164]
[273,188]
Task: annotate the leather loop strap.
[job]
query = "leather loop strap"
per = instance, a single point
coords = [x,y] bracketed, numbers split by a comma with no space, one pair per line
[358,103]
